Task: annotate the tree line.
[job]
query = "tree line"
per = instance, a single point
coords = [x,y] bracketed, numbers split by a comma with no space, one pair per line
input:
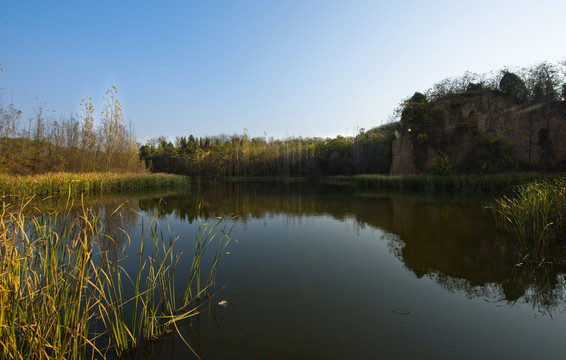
[538,83]
[71,143]
[243,156]
[86,142]
[366,152]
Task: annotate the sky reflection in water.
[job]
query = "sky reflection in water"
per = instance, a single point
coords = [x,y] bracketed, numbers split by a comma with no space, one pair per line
[325,273]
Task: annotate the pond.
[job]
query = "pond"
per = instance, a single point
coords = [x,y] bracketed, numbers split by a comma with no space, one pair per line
[325,272]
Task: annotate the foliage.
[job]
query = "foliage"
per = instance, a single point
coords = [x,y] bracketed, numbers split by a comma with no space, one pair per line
[474,87]
[117,144]
[486,155]
[497,154]
[66,184]
[544,82]
[459,85]
[418,98]
[537,215]
[441,165]
[63,285]
[425,123]
[535,83]
[459,184]
[241,156]
[513,85]
[72,143]
[423,118]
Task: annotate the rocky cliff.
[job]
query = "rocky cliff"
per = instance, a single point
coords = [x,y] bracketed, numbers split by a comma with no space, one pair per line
[484,132]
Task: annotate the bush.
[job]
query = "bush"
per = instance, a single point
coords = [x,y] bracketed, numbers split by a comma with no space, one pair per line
[441,165]
[513,85]
[423,139]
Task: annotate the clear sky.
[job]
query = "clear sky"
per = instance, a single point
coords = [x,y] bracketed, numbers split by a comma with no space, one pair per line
[284,68]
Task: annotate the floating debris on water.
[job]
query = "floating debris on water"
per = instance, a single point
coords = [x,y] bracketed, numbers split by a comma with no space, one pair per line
[400,311]
[223,303]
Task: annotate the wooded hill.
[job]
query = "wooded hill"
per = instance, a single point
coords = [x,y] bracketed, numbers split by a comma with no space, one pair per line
[477,124]
[474,124]
[480,132]
[503,124]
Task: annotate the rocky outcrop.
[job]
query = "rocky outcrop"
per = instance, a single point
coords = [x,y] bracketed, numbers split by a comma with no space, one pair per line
[487,131]
[403,159]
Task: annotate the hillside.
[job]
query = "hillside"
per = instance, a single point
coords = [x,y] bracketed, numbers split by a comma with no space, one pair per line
[479,132]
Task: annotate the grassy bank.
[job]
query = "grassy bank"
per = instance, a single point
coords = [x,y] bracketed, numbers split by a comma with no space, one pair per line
[457,184]
[87,183]
[64,290]
[537,215]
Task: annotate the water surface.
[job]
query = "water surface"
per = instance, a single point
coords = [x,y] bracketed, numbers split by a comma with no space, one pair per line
[324,272]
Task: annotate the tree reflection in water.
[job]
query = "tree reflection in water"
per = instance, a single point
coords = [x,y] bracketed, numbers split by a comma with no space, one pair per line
[450,240]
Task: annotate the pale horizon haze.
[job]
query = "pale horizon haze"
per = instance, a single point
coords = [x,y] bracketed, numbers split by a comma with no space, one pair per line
[276,68]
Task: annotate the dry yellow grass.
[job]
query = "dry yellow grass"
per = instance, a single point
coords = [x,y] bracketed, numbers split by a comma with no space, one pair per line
[64,293]
[86,183]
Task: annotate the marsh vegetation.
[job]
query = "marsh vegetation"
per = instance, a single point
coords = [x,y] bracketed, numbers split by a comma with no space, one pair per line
[536,213]
[77,184]
[66,293]
[97,281]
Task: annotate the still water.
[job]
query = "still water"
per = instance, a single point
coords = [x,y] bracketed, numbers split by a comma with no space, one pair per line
[322,272]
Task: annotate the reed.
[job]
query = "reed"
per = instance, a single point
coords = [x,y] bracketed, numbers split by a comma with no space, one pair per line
[456,184]
[87,183]
[537,215]
[63,291]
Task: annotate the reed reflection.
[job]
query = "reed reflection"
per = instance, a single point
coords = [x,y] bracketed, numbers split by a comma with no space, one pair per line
[452,242]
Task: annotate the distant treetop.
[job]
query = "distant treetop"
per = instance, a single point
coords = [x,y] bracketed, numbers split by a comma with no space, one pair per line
[513,85]
[418,98]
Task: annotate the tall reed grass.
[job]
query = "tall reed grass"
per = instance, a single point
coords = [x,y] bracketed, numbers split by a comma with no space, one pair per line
[64,292]
[86,183]
[457,184]
[537,215]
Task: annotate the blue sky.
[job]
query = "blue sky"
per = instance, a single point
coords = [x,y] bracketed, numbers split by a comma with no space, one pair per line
[283,68]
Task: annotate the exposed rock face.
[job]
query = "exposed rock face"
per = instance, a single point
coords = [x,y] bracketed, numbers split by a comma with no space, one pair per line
[403,160]
[487,131]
